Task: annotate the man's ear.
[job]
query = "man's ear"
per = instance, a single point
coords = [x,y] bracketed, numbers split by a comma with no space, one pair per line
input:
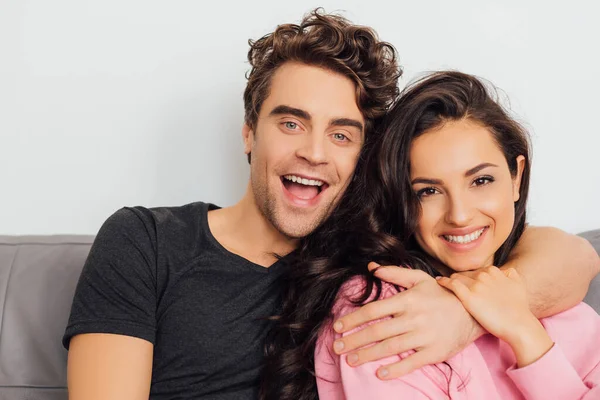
[517,179]
[248,136]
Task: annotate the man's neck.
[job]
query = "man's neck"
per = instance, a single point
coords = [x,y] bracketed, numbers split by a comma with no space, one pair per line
[243,230]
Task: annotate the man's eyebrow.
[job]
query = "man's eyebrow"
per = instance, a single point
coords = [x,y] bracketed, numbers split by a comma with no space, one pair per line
[478,168]
[296,112]
[346,122]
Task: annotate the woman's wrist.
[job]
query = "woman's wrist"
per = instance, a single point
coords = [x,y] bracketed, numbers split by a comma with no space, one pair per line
[529,342]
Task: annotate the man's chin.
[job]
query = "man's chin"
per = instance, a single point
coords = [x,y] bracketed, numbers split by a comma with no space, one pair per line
[296,231]
[296,227]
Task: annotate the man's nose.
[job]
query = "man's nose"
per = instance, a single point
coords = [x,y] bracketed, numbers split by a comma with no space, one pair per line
[313,148]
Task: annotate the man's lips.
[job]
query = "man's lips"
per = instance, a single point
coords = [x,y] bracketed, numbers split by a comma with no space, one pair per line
[301,195]
[305,179]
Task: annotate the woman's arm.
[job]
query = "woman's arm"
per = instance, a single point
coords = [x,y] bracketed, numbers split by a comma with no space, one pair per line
[553,377]
[498,301]
[557,268]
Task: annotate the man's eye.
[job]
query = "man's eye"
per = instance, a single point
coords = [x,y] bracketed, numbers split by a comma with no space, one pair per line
[340,137]
[291,125]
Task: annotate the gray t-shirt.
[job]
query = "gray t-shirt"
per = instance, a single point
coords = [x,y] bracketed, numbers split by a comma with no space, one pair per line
[159,274]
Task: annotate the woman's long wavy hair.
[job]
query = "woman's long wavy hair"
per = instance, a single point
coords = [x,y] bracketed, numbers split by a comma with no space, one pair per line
[376,220]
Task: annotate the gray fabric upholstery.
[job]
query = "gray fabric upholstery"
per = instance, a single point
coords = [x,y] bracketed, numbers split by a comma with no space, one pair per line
[593,295]
[38,276]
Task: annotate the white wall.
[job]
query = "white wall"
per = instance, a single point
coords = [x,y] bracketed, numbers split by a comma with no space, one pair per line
[115,102]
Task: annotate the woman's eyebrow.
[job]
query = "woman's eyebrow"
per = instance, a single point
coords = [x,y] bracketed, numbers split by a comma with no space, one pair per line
[478,168]
[472,171]
[427,181]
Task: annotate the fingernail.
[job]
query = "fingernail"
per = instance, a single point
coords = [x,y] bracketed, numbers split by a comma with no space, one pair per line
[338,326]
[338,345]
[383,372]
[375,266]
[353,358]
[438,277]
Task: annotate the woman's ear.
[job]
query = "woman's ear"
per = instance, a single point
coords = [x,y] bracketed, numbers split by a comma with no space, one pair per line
[517,179]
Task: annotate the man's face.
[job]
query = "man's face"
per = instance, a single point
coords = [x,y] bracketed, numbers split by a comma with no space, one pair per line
[304,147]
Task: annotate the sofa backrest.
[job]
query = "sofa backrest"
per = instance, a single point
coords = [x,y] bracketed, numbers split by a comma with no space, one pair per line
[593,296]
[38,275]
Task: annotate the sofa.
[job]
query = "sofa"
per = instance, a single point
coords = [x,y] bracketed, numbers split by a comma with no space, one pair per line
[38,275]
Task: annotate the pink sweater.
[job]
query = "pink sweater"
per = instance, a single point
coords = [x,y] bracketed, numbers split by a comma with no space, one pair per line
[485,369]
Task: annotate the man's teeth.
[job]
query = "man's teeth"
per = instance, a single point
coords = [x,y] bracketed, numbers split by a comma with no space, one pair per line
[303,181]
[464,239]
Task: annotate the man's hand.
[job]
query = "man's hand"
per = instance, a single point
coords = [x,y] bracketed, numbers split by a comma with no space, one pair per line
[426,318]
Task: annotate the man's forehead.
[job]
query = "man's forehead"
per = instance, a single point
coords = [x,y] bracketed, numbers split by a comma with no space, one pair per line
[321,93]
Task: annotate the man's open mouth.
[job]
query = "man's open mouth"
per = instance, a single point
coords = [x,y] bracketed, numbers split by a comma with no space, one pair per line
[303,188]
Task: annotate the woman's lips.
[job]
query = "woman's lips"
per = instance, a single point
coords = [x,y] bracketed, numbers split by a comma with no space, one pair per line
[465,242]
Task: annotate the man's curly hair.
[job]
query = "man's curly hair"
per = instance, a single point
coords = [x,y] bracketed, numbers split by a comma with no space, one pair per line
[328,41]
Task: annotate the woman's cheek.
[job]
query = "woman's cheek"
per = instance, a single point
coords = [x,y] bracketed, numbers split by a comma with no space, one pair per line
[432,216]
[499,206]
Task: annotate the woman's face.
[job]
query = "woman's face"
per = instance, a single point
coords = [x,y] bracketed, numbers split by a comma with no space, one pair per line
[467,194]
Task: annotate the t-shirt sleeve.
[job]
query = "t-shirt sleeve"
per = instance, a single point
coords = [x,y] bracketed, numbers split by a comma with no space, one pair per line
[116,292]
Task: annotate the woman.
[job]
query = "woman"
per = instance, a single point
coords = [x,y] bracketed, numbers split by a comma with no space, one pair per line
[451,178]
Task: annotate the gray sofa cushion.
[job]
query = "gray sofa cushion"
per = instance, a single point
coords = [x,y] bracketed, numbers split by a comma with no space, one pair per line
[38,276]
[593,295]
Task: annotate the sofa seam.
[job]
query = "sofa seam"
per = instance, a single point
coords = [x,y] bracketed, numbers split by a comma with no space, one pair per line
[10,269]
[46,244]
[29,387]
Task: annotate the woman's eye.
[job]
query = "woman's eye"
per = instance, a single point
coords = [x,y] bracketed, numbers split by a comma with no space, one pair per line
[340,137]
[291,125]
[484,180]
[425,192]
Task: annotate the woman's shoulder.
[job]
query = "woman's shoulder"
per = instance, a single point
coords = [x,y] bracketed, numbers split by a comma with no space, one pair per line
[577,332]
[582,315]
[352,290]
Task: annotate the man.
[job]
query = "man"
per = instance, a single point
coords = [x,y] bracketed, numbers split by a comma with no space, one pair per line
[172,301]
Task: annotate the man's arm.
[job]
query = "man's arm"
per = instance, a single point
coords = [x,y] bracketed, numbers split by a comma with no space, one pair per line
[109,367]
[112,326]
[557,268]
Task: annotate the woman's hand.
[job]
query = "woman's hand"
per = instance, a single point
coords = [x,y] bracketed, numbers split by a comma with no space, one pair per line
[498,301]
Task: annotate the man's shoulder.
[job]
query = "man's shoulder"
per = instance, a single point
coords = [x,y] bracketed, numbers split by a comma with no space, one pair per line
[191,213]
[154,219]
[159,230]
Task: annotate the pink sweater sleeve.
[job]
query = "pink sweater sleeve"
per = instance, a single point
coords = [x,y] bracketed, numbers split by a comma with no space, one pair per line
[336,380]
[571,368]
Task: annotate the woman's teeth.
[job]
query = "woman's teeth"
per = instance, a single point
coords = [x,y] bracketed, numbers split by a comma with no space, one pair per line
[464,239]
